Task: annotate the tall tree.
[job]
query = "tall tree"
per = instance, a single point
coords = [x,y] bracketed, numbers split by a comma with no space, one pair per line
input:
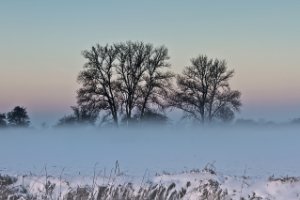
[157,82]
[142,76]
[203,91]
[133,60]
[18,117]
[100,88]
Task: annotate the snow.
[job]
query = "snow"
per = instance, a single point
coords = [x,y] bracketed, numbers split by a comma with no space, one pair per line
[244,159]
[197,185]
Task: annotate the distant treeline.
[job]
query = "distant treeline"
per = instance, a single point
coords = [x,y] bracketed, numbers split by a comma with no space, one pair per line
[18,118]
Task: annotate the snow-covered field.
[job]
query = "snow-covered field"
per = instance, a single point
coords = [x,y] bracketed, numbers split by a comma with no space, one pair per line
[193,185]
[240,162]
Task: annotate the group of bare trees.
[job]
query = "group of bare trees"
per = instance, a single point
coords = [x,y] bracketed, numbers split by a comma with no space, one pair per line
[127,81]
[130,82]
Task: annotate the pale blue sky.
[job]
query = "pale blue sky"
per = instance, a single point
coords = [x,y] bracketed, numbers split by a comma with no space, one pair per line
[41,42]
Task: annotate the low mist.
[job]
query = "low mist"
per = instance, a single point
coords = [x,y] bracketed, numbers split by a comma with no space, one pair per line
[261,149]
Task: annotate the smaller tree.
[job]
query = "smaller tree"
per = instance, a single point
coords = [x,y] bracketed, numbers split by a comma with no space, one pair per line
[68,120]
[203,91]
[80,116]
[18,117]
[3,122]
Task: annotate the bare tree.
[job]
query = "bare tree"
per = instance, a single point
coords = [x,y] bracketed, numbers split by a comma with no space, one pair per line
[222,100]
[157,82]
[203,91]
[100,89]
[133,60]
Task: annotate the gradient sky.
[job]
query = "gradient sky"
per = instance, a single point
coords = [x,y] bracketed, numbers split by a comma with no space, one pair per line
[41,44]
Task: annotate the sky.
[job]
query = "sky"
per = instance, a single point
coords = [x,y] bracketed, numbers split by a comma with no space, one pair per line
[41,44]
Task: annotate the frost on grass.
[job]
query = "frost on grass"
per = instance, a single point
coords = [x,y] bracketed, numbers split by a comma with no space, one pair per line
[190,185]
